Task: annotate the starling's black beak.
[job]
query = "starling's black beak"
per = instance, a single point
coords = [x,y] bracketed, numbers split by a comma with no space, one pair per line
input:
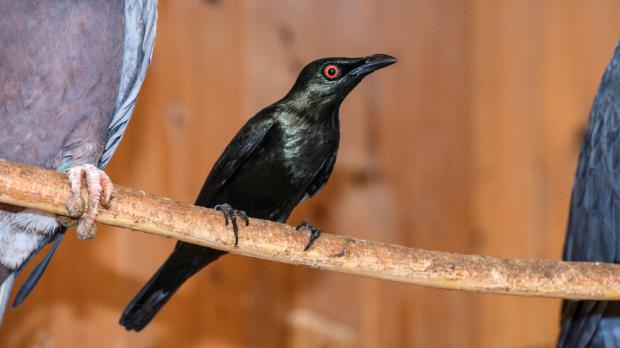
[372,63]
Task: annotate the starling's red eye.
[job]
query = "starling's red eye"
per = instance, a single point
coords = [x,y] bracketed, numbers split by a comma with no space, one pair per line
[331,71]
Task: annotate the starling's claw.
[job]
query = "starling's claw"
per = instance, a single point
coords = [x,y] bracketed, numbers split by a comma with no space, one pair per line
[230,212]
[224,208]
[314,233]
[244,216]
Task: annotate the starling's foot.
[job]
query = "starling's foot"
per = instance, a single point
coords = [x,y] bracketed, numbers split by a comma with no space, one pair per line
[230,213]
[314,233]
[100,190]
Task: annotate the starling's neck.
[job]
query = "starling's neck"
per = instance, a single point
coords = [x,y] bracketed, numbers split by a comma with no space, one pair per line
[310,110]
[304,141]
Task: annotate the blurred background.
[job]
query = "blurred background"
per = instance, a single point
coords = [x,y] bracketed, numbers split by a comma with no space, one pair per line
[468,144]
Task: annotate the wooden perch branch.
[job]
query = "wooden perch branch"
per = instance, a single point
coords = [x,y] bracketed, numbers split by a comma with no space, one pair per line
[32,187]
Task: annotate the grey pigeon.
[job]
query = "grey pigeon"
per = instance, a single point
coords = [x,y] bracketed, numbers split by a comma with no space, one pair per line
[592,233]
[70,72]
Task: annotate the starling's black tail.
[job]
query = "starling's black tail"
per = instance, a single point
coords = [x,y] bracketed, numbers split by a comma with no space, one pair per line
[185,261]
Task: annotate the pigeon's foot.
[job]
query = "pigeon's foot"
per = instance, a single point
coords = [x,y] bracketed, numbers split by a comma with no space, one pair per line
[100,191]
[314,233]
[231,214]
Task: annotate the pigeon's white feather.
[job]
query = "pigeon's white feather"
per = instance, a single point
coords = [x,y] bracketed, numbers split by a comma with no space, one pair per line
[21,233]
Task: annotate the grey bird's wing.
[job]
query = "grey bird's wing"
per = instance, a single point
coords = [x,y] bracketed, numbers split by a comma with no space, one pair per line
[593,232]
[140,27]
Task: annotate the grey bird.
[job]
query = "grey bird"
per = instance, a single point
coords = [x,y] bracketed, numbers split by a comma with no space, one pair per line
[593,232]
[70,72]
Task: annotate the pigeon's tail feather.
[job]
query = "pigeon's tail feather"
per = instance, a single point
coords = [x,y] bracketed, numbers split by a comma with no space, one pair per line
[5,294]
[185,261]
[37,272]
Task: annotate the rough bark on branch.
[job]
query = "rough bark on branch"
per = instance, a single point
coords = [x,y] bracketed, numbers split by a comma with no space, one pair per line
[33,187]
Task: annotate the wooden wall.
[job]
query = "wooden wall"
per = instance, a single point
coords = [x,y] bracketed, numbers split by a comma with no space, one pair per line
[468,144]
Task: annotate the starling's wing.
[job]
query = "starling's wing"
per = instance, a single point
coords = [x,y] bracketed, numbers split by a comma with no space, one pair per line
[593,230]
[140,26]
[236,153]
[321,177]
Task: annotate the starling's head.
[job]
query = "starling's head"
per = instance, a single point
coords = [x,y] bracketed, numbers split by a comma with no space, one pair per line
[327,81]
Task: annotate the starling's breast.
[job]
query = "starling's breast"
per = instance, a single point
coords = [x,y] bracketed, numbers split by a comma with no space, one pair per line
[306,146]
[277,175]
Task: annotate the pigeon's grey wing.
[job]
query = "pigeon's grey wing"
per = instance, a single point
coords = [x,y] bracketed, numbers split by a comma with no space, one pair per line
[140,26]
[608,333]
[593,231]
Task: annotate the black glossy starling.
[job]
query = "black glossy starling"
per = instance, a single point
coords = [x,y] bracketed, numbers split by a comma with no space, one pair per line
[282,156]
[592,233]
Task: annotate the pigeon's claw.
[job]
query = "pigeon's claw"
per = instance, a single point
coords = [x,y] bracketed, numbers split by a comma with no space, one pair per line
[100,192]
[231,214]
